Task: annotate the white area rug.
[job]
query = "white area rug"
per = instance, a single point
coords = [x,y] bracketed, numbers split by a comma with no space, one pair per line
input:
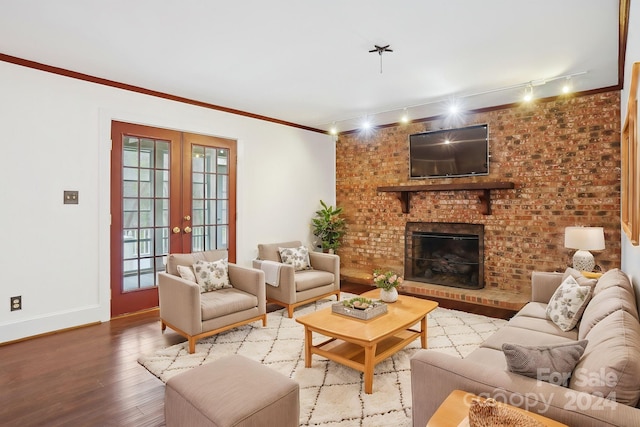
[331,394]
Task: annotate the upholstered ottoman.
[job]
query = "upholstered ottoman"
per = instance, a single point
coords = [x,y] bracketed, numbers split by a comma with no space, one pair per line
[232,391]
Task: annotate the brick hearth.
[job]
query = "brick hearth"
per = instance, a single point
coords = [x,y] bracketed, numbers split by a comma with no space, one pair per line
[487,297]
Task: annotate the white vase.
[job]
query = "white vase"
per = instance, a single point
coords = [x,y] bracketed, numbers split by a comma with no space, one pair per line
[389,296]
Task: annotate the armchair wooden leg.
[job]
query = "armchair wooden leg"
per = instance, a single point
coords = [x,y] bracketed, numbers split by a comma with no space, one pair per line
[192,345]
[163,326]
[290,311]
[264,320]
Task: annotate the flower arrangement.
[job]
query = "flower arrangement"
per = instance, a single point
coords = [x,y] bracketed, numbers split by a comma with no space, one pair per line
[386,280]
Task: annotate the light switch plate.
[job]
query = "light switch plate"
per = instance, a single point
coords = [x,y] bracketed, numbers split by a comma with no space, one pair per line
[70,197]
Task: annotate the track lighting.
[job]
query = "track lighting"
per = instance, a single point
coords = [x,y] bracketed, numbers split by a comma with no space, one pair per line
[567,87]
[528,93]
[454,107]
[405,116]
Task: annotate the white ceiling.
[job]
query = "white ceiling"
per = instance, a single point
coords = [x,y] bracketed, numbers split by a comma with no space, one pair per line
[307,62]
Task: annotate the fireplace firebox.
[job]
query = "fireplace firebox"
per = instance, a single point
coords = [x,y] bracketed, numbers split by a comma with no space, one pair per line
[449,254]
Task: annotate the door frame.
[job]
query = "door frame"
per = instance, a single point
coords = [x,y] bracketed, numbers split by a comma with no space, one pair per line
[180,167]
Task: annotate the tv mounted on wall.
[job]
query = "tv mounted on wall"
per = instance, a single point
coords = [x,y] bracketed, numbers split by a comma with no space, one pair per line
[449,152]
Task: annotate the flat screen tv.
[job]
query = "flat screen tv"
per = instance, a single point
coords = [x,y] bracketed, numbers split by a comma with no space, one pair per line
[449,152]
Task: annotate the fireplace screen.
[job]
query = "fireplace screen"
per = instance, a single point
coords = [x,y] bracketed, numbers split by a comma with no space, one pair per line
[449,254]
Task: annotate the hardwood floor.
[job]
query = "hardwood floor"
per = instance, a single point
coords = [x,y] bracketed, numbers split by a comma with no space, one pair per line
[90,376]
[85,377]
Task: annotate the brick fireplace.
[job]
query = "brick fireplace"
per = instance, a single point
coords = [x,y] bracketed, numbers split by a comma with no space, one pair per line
[445,253]
[563,157]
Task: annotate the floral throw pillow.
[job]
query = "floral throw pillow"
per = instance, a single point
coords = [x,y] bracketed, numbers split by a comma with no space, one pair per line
[297,257]
[567,304]
[212,275]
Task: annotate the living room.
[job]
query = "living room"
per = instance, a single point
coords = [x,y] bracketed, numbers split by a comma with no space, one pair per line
[65,124]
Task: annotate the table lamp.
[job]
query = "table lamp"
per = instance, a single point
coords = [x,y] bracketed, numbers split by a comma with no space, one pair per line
[584,239]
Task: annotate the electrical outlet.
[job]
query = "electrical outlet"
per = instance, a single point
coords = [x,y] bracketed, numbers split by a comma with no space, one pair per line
[16,303]
[70,197]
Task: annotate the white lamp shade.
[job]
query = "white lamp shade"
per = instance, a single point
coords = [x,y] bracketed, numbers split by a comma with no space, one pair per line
[584,238]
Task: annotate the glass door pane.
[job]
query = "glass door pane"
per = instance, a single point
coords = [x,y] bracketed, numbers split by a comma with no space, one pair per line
[209,198]
[145,213]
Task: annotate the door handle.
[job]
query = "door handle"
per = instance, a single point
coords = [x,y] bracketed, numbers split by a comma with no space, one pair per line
[187,217]
[187,229]
[176,230]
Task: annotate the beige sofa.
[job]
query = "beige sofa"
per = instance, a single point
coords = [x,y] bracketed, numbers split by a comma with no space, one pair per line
[610,365]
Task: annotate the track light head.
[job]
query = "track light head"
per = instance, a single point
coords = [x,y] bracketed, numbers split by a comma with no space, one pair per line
[567,86]
[528,93]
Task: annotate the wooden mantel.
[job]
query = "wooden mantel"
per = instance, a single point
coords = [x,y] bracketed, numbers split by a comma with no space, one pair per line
[485,197]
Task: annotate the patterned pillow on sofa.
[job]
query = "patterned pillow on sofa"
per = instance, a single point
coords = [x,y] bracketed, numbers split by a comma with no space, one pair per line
[212,275]
[567,304]
[297,257]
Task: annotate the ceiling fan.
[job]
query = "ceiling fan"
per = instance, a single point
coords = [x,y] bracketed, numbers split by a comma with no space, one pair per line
[381,50]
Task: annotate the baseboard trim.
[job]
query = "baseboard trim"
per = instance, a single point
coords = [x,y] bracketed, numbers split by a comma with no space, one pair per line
[45,334]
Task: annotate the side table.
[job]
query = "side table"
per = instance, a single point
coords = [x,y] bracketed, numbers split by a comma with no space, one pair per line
[454,411]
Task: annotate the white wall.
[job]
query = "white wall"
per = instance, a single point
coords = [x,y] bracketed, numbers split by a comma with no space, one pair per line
[630,253]
[54,136]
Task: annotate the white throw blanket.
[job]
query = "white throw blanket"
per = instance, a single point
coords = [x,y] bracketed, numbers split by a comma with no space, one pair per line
[271,272]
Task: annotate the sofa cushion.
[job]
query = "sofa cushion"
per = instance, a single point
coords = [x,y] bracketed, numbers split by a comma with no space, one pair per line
[310,279]
[186,273]
[533,309]
[576,274]
[567,303]
[212,275]
[550,363]
[225,301]
[610,366]
[611,278]
[488,357]
[296,257]
[605,302]
[513,335]
[541,325]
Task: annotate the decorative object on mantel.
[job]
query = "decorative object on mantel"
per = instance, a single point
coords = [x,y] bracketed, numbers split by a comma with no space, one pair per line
[387,281]
[359,307]
[328,227]
[584,239]
[485,198]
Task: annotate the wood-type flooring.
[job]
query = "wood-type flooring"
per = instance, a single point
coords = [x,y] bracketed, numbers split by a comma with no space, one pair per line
[89,376]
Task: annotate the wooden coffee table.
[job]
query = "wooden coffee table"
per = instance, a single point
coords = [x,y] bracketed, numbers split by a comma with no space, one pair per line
[362,344]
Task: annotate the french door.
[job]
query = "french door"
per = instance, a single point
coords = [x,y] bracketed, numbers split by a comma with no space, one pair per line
[171,192]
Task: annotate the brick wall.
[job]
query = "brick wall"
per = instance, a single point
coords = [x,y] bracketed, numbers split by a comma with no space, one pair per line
[563,156]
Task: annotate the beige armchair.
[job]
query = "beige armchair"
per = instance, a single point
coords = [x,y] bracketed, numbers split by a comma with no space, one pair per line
[197,315]
[296,288]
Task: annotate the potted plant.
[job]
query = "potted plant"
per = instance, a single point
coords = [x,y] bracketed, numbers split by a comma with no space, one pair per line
[328,227]
[388,282]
